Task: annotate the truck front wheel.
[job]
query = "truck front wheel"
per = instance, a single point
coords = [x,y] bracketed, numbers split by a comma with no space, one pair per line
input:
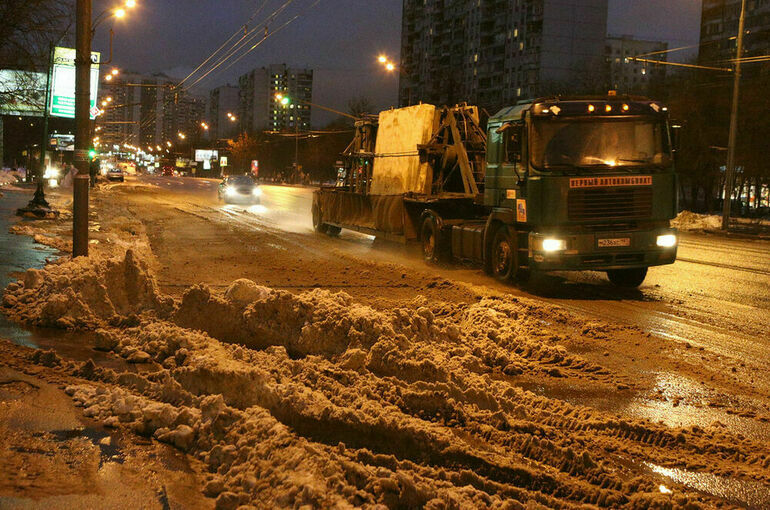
[503,255]
[630,278]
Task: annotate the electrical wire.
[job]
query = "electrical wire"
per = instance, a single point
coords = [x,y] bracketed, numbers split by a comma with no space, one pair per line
[246,39]
[254,15]
[256,45]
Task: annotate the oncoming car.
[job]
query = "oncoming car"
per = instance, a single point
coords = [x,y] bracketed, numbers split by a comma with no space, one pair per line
[116,174]
[239,188]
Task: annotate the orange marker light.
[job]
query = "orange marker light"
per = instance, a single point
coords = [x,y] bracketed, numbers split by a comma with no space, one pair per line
[591,108]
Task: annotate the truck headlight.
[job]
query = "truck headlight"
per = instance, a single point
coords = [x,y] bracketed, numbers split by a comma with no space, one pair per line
[230,191]
[257,192]
[551,245]
[666,241]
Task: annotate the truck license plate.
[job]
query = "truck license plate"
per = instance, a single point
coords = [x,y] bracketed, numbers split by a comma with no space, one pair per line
[615,243]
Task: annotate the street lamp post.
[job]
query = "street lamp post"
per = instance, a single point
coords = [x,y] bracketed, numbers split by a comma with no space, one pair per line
[730,171]
[39,207]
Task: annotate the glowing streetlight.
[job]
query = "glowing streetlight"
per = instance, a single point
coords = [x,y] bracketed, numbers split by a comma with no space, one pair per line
[130,4]
[168,143]
[284,100]
[120,12]
[182,136]
[390,66]
[382,59]
[114,71]
[108,77]
[204,126]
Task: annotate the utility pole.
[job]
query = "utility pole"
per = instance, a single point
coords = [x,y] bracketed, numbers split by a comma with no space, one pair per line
[82,128]
[730,171]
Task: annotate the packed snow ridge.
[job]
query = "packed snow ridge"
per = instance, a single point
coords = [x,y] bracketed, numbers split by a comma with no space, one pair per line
[313,399]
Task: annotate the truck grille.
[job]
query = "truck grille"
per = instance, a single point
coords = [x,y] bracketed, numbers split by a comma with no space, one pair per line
[609,203]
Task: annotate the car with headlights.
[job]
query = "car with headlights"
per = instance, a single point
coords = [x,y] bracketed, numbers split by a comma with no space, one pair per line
[116,174]
[53,176]
[239,189]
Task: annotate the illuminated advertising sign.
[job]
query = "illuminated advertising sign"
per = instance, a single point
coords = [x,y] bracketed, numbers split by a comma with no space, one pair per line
[63,83]
[206,155]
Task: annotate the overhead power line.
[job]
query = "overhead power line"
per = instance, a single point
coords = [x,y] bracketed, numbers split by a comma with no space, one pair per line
[248,36]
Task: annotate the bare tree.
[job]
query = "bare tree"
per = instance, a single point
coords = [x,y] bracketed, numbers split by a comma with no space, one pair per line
[28,28]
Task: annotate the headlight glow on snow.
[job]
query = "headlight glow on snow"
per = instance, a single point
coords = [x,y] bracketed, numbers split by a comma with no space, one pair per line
[51,173]
[230,191]
[257,192]
[667,241]
[552,245]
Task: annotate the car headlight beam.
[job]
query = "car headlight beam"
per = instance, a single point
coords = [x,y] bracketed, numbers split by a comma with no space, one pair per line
[230,191]
[666,241]
[257,192]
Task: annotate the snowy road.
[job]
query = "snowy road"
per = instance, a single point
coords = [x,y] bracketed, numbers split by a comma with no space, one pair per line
[385,380]
[716,296]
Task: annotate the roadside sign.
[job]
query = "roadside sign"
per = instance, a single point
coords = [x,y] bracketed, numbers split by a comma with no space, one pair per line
[63,83]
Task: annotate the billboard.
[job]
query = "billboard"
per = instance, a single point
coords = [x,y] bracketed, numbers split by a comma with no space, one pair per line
[62,142]
[22,93]
[63,83]
[206,155]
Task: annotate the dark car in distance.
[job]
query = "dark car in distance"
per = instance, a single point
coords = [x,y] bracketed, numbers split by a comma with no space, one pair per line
[239,189]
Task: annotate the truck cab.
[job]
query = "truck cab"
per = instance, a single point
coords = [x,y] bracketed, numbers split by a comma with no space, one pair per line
[583,183]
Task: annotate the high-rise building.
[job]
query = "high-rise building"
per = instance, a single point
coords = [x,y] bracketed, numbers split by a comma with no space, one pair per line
[629,76]
[223,111]
[495,52]
[260,110]
[147,111]
[719,28]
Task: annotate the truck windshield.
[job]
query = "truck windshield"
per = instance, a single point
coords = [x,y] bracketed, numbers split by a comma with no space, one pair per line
[600,143]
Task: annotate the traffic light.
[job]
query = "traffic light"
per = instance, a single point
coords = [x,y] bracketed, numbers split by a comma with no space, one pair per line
[91,154]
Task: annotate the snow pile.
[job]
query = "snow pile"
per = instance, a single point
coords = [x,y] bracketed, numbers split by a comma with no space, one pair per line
[8,176]
[41,236]
[85,293]
[687,221]
[313,399]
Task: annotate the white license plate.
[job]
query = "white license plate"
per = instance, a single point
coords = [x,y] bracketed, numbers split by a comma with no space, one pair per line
[615,243]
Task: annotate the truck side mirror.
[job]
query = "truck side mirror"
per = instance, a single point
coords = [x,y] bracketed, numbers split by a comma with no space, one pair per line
[676,138]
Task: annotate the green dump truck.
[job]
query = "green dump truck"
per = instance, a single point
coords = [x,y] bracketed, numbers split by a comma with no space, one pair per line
[554,184]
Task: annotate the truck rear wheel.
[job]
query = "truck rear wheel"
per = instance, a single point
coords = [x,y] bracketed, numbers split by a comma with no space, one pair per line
[630,278]
[318,224]
[504,260]
[432,241]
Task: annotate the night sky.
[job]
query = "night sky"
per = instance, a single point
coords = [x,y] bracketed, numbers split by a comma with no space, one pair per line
[339,39]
